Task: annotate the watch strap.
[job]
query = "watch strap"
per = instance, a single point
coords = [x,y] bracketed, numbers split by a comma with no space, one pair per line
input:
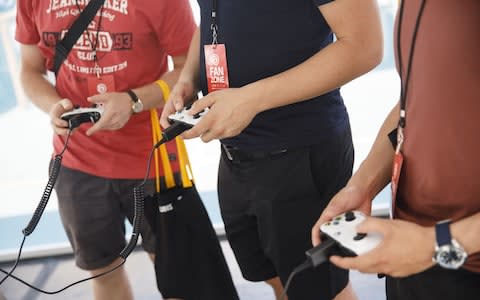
[442,233]
[133,96]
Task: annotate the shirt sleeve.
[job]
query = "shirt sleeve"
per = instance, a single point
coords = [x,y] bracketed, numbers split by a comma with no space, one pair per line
[321,2]
[176,28]
[26,31]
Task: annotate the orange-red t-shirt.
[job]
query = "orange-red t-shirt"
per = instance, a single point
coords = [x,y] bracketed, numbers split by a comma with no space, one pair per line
[134,39]
[441,174]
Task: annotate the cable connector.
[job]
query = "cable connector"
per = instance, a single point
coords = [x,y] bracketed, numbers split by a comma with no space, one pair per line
[172,132]
[321,253]
[315,256]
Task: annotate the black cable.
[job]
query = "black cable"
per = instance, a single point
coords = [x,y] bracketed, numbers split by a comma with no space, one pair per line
[32,224]
[68,286]
[54,171]
[16,262]
[315,257]
[139,198]
[138,192]
[305,265]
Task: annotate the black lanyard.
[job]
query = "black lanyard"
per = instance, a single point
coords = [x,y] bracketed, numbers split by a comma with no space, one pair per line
[405,83]
[213,24]
[94,44]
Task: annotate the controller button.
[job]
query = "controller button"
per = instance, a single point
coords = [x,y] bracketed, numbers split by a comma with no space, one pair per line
[336,223]
[196,116]
[359,236]
[349,216]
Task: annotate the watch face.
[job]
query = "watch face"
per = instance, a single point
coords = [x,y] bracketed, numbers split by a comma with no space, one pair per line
[137,106]
[450,256]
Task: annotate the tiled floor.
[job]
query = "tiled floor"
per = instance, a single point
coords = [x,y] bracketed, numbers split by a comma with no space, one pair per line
[56,272]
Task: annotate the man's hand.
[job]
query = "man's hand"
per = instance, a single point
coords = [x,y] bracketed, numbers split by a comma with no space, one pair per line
[230,112]
[60,126]
[406,249]
[182,93]
[348,198]
[117,109]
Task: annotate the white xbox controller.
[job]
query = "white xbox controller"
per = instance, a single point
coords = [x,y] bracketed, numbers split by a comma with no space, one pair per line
[342,229]
[78,116]
[183,117]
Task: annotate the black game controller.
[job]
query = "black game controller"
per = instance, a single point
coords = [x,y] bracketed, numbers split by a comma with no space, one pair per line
[78,116]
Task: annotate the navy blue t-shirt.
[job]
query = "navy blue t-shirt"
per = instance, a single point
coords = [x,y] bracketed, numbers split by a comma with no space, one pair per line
[264,38]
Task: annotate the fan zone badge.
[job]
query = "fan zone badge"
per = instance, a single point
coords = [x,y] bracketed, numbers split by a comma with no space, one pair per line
[216,67]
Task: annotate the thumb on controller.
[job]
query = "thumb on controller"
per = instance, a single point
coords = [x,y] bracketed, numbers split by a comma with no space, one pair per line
[372,224]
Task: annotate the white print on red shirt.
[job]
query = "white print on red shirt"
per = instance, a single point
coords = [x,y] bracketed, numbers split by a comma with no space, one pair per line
[120,6]
[95,36]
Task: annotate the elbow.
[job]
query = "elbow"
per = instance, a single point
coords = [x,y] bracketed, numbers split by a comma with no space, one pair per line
[375,56]
[372,53]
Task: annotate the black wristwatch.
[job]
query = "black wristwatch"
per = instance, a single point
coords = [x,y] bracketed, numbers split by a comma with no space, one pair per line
[449,254]
[137,104]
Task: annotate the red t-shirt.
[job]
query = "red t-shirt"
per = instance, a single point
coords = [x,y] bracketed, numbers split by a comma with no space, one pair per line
[134,40]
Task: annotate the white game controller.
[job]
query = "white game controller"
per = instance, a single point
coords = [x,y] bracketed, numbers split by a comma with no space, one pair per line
[342,229]
[183,117]
[78,116]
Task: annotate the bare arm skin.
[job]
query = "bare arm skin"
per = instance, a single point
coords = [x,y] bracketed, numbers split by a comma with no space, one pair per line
[117,105]
[390,257]
[188,83]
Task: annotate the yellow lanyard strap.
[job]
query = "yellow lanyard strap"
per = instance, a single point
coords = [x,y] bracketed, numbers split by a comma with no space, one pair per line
[183,160]
[167,168]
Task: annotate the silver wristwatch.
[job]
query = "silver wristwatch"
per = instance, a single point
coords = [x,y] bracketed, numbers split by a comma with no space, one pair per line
[449,254]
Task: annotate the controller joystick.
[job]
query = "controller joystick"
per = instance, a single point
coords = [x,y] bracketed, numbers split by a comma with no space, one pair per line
[185,118]
[342,229]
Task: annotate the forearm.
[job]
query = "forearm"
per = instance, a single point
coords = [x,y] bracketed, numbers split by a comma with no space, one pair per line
[151,95]
[375,171]
[39,90]
[467,233]
[330,68]
[358,48]
[191,70]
